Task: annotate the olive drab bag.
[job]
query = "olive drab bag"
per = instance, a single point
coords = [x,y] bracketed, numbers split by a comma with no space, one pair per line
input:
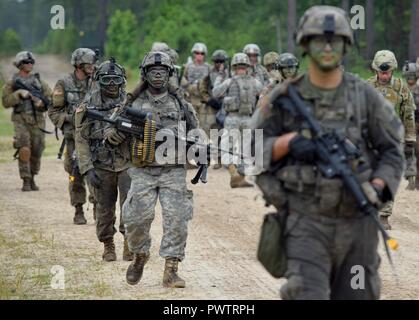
[271,249]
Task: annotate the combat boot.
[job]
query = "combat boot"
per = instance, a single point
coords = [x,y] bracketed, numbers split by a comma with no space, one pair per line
[411,186]
[79,218]
[170,277]
[109,250]
[34,187]
[237,180]
[385,223]
[127,255]
[26,184]
[136,268]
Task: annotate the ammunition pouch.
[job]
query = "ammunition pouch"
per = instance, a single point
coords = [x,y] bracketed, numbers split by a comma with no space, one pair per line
[143,151]
[231,104]
[311,193]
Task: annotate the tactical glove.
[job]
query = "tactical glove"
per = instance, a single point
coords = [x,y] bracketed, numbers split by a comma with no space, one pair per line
[214,103]
[94,179]
[302,149]
[114,137]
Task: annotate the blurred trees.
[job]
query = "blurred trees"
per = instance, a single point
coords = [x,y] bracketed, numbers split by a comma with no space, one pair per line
[224,24]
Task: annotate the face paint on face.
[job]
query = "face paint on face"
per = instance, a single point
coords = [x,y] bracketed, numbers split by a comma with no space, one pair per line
[158,77]
[289,73]
[326,54]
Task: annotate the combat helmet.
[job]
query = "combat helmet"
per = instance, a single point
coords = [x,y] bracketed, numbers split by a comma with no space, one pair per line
[324,20]
[219,55]
[156,59]
[199,47]
[23,56]
[251,48]
[83,56]
[410,70]
[384,60]
[240,58]
[110,70]
[270,58]
[287,60]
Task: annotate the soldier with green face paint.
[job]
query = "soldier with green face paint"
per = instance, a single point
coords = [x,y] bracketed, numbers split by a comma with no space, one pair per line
[396,91]
[288,65]
[325,232]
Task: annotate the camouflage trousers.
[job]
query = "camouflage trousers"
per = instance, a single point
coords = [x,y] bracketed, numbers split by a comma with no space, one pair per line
[206,117]
[331,258]
[106,197]
[387,209]
[30,143]
[76,184]
[237,123]
[168,184]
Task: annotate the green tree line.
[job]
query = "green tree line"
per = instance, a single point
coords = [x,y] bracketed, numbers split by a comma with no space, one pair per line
[127,28]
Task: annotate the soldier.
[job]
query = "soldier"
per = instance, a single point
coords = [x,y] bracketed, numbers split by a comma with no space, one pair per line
[103,153]
[152,180]
[325,232]
[396,91]
[195,71]
[174,79]
[205,86]
[288,65]
[28,118]
[270,61]
[68,93]
[239,95]
[411,74]
[257,70]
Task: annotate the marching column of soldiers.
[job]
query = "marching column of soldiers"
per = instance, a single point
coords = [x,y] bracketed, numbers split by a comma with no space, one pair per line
[325,232]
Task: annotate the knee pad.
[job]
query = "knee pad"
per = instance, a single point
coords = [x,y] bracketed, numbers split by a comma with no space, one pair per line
[24,154]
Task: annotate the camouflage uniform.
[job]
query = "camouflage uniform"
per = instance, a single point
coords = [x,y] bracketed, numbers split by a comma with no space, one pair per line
[411,72]
[29,139]
[205,87]
[325,233]
[192,75]
[398,94]
[166,182]
[109,161]
[67,94]
[239,95]
[257,70]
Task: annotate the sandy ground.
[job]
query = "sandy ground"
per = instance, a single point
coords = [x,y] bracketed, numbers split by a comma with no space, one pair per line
[36,233]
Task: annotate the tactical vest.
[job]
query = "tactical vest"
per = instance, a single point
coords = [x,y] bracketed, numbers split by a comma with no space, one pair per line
[392,92]
[259,72]
[197,72]
[104,155]
[241,96]
[74,91]
[25,108]
[168,113]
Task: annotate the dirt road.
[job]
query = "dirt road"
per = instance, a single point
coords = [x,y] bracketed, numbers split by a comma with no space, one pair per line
[36,233]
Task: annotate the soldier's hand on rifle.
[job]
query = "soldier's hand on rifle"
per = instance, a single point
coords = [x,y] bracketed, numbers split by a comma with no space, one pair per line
[114,137]
[39,104]
[94,179]
[302,149]
[374,192]
[23,94]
